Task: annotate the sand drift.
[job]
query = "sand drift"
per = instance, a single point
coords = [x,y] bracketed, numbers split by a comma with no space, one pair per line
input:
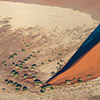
[29,15]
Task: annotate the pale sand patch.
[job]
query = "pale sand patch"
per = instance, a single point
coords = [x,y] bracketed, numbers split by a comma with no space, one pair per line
[25,15]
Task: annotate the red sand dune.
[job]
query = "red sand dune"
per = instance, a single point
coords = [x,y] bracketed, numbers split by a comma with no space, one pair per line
[87,64]
[89,6]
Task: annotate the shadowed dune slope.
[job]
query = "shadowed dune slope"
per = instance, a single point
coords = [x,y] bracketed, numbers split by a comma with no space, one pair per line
[85,61]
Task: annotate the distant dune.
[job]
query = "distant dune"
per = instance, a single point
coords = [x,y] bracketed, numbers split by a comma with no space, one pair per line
[89,6]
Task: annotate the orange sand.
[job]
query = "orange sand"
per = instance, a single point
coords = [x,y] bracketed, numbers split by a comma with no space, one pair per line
[88,64]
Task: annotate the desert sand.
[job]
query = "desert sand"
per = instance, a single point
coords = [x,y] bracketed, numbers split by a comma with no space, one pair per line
[28,15]
[89,6]
[43,32]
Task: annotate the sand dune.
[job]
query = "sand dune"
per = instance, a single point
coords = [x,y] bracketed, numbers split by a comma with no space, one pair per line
[88,64]
[43,32]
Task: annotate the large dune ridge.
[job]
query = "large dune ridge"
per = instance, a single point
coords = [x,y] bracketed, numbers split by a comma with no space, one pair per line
[88,64]
[89,6]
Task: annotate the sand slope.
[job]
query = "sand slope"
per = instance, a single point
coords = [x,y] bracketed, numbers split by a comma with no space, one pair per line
[88,64]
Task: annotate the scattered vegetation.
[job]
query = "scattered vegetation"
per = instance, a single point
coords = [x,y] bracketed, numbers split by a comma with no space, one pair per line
[52,73]
[31,55]
[24,88]
[58,63]
[20,67]
[18,86]
[88,76]
[32,68]
[59,54]
[25,60]
[15,84]
[26,68]
[17,89]
[23,50]
[16,74]
[32,51]
[49,60]
[25,76]
[34,65]
[14,54]
[3,62]
[68,81]
[37,82]
[6,81]
[38,51]
[74,79]
[12,72]
[11,57]
[27,45]
[16,65]
[10,82]
[28,58]
[34,77]
[24,42]
[5,65]
[61,60]
[41,91]
[80,80]
[42,63]
[30,43]
[45,87]
[13,63]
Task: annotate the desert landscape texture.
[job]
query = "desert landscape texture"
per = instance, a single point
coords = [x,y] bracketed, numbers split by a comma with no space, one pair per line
[37,39]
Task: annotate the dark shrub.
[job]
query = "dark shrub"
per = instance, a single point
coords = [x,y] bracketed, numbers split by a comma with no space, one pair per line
[10,82]
[6,80]
[26,68]
[16,74]
[41,91]
[34,65]
[15,84]
[80,80]
[88,76]
[24,88]
[12,72]
[37,82]
[18,86]
[11,57]
[14,54]
[23,50]
[25,75]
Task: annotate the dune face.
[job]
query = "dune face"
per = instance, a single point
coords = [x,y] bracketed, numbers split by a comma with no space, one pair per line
[88,64]
[87,61]
[89,6]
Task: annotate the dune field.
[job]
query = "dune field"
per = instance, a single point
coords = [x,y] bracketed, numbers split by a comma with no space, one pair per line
[36,41]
